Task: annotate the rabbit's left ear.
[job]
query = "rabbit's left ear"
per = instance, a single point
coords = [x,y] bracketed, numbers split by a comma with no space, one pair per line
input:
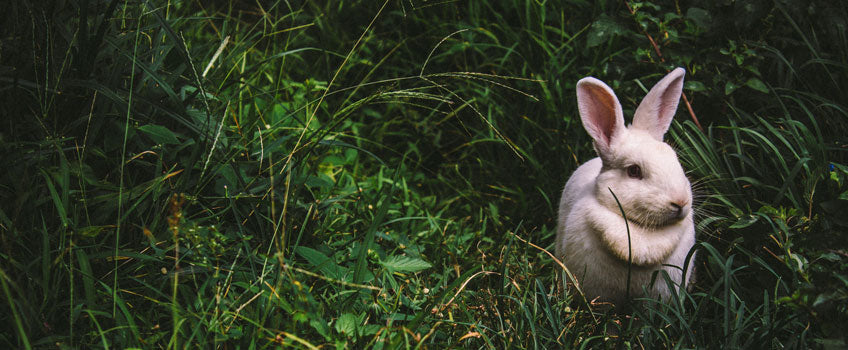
[657,109]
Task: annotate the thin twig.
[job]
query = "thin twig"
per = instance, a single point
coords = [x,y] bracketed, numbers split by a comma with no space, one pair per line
[238,310]
[463,287]
[331,280]
[432,330]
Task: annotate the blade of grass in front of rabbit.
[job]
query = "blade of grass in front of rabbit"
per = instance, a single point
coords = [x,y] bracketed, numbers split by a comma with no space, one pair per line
[629,250]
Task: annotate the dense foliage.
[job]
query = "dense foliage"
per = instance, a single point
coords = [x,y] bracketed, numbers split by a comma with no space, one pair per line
[358,174]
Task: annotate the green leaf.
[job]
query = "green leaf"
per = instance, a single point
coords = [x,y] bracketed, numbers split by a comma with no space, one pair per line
[745,221]
[405,264]
[757,84]
[693,85]
[346,324]
[84,265]
[700,17]
[602,30]
[90,231]
[57,201]
[322,262]
[159,134]
[729,88]
[320,325]
[369,329]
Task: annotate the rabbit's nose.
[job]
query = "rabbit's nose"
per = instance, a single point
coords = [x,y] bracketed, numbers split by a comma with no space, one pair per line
[678,209]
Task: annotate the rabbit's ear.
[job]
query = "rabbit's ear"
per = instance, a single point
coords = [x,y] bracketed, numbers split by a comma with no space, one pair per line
[600,112]
[657,109]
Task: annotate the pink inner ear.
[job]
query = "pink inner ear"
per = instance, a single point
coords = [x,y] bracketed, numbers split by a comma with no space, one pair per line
[600,107]
[671,98]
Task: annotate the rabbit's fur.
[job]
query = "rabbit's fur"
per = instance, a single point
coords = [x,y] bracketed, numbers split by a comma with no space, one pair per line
[650,184]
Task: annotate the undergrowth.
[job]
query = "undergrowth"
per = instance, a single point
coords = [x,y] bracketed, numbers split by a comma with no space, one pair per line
[362,174]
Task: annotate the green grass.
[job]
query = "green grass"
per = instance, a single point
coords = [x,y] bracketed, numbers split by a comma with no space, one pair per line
[386,174]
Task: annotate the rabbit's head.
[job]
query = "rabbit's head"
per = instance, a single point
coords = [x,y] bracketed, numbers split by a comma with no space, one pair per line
[641,169]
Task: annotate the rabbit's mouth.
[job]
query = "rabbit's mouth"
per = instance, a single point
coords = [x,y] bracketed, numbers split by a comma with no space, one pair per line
[658,218]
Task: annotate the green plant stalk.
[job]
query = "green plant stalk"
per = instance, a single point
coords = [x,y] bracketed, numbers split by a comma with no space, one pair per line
[18,323]
[70,265]
[629,248]
[99,329]
[175,314]
[123,163]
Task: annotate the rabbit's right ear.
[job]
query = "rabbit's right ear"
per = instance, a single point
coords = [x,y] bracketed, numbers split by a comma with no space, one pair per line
[601,113]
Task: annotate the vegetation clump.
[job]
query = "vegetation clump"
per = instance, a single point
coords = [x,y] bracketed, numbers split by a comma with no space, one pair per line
[361,174]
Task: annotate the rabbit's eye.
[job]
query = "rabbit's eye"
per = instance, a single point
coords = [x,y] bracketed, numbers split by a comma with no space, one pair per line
[634,171]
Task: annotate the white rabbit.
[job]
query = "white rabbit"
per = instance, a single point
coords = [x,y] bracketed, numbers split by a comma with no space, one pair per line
[650,184]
